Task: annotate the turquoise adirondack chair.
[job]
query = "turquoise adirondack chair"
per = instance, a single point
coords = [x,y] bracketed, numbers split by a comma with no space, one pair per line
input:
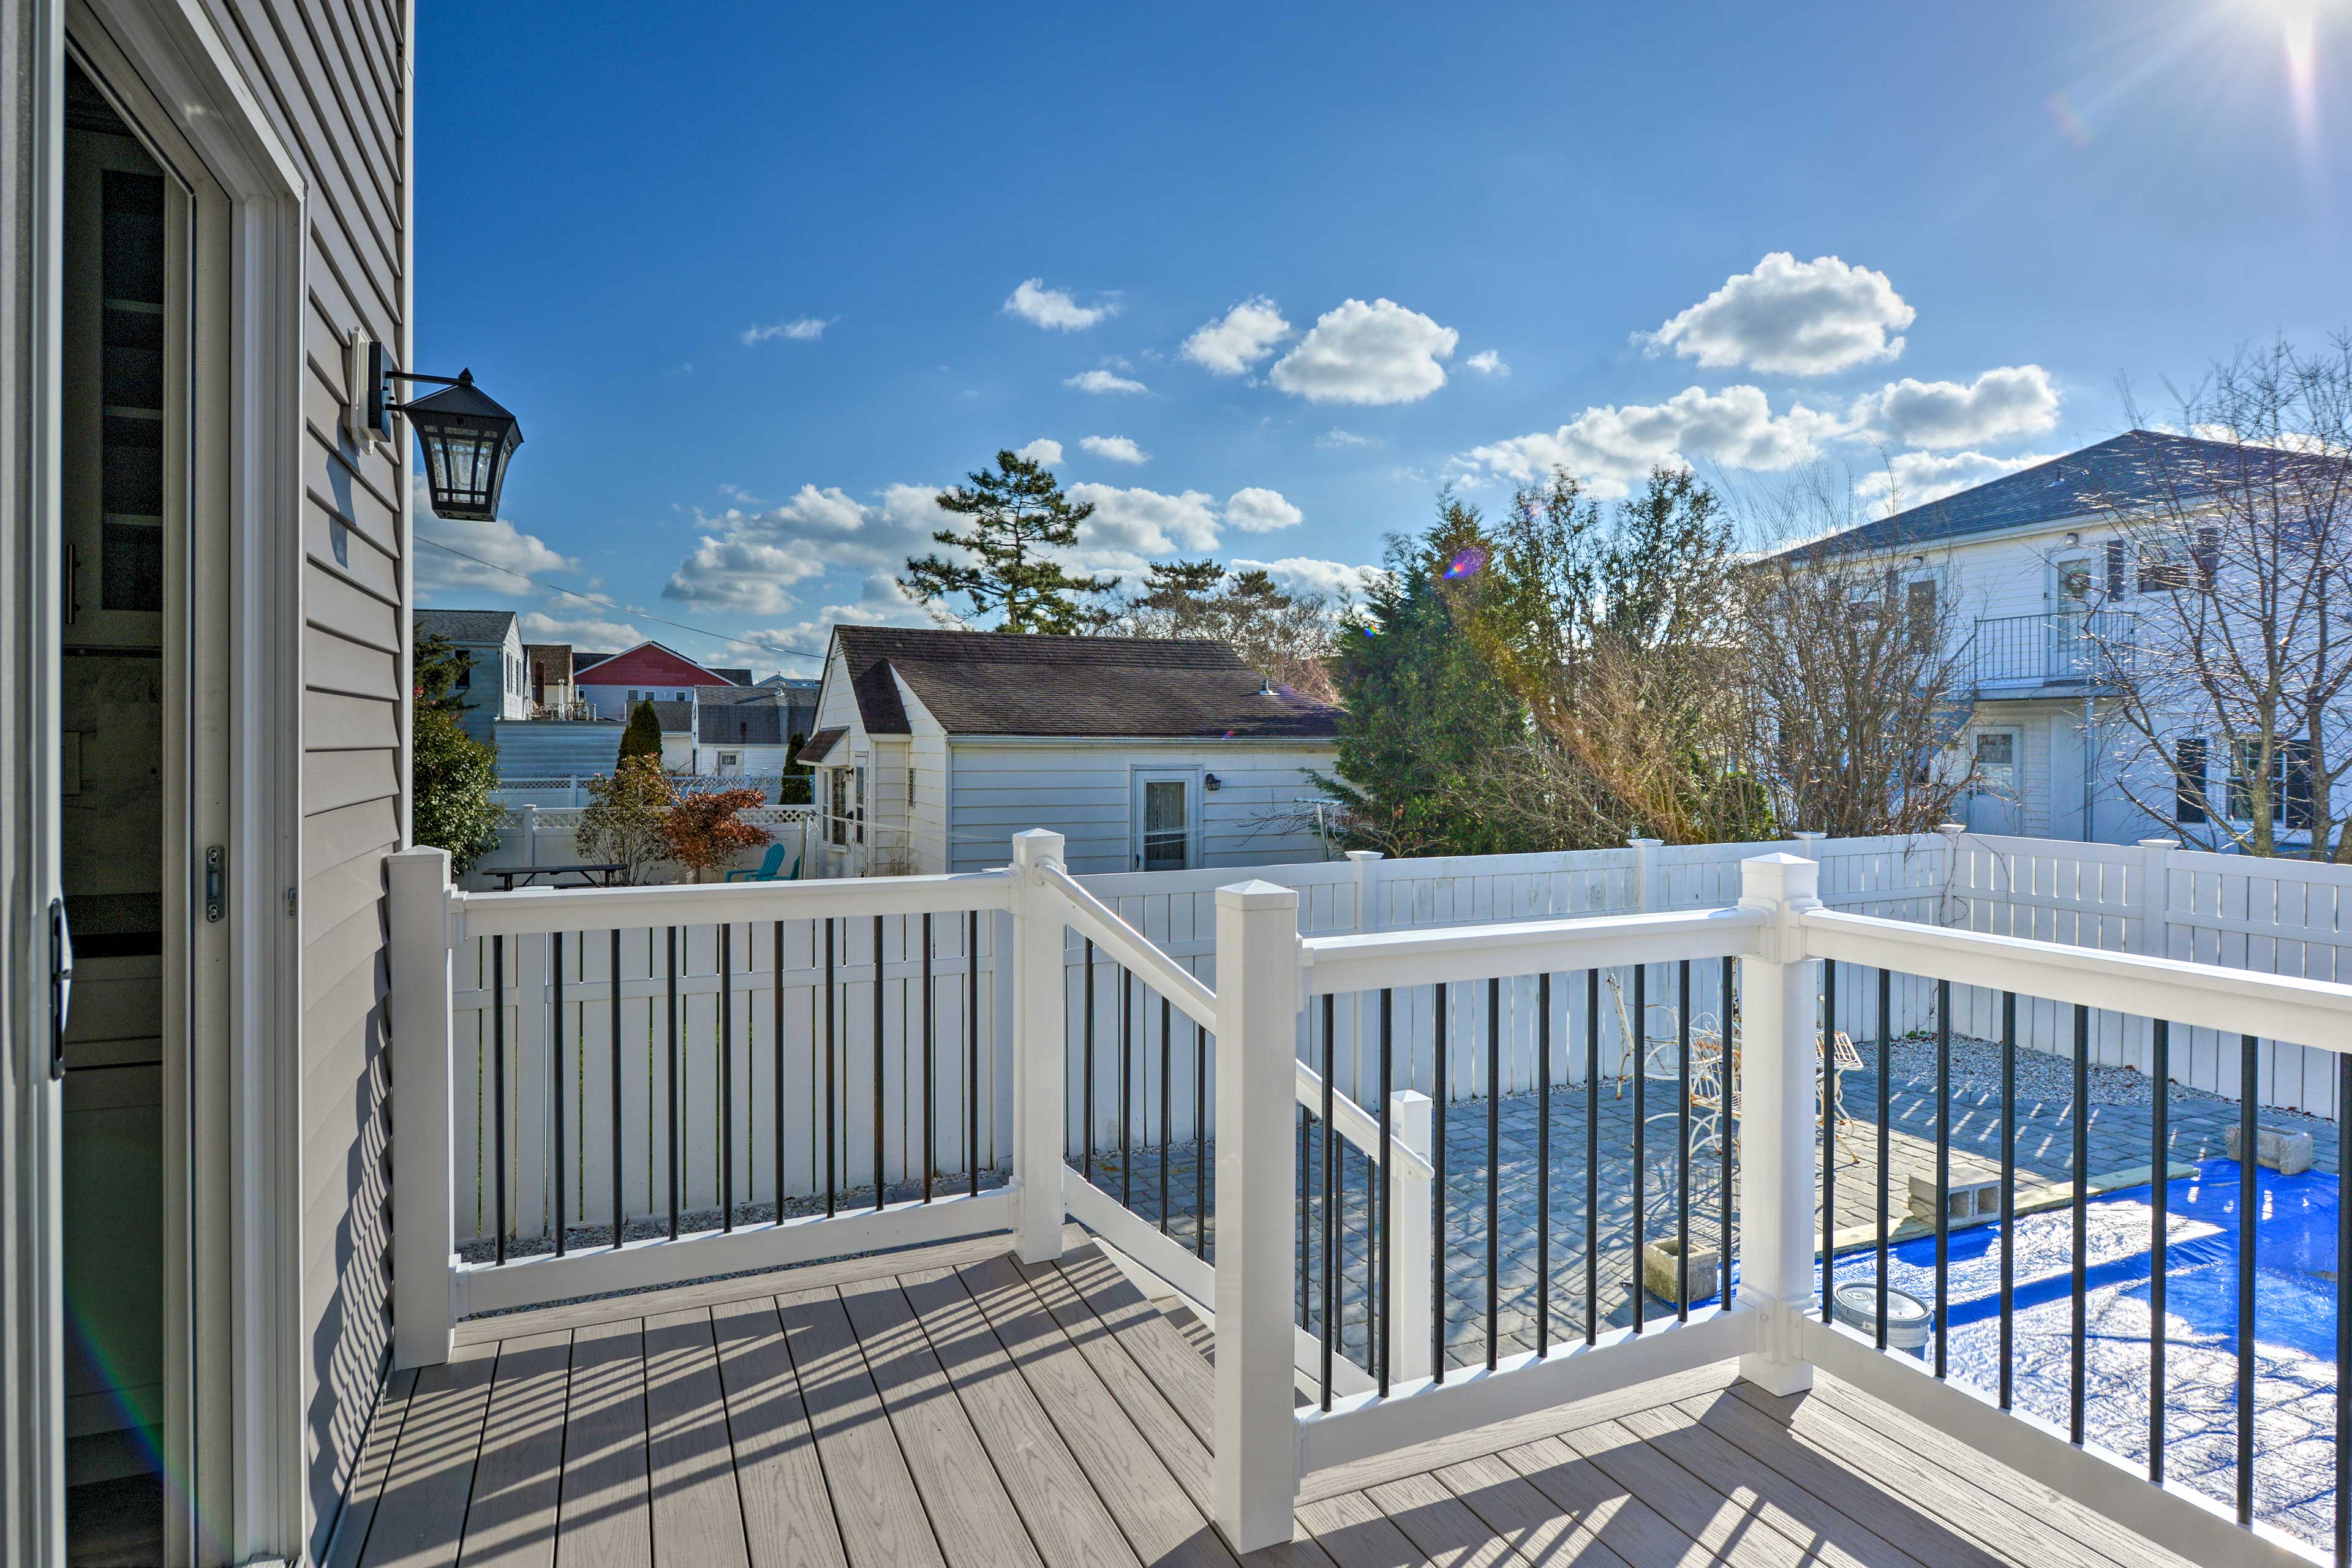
[766,871]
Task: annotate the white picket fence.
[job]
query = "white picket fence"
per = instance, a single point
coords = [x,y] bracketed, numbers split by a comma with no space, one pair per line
[543,836]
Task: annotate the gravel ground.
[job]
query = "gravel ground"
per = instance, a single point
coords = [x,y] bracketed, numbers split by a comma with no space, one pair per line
[1976,1073]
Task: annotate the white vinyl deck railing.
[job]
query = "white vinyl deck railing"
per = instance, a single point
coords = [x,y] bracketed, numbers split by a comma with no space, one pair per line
[598,1090]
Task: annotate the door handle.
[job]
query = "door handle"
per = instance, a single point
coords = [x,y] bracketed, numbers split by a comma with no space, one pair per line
[60,985]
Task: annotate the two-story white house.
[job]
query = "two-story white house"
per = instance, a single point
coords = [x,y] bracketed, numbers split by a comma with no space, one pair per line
[2050,586]
[497,681]
[933,748]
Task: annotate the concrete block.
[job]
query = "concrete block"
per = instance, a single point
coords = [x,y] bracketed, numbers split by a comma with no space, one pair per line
[1973,1200]
[2287,1153]
[1660,1274]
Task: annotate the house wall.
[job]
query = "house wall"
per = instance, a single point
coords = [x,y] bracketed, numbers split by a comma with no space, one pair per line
[333,77]
[1086,792]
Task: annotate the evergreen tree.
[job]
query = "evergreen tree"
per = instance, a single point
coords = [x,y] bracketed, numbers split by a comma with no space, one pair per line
[1019,515]
[452,773]
[643,737]
[1428,721]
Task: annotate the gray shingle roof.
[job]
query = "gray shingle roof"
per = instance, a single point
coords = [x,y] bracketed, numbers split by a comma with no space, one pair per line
[464,625]
[2137,468]
[677,718]
[741,724]
[998,683]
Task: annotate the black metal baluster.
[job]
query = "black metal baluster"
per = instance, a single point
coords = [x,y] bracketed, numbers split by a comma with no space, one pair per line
[1943,1172]
[777,1042]
[1199,1141]
[1828,1056]
[556,940]
[1167,1121]
[1331,1172]
[971,1048]
[1493,1163]
[1682,1143]
[1543,1163]
[498,1083]
[1125,1086]
[1641,1125]
[1591,1155]
[1086,1064]
[1437,1200]
[1304,1120]
[881,1191]
[1730,1126]
[2249,1128]
[1387,1252]
[726,1077]
[619,1214]
[1886,1073]
[675,1112]
[2159,1158]
[2076,1370]
[2008,1195]
[930,1069]
[833,1109]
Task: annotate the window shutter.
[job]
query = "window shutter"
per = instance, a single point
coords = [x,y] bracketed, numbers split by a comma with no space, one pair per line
[2188,764]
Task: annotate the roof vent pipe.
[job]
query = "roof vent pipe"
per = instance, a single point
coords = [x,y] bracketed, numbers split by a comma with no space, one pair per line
[1266,686]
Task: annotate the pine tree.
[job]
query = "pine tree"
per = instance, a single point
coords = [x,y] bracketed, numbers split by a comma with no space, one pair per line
[643,737]
[1018,514]
[452,773]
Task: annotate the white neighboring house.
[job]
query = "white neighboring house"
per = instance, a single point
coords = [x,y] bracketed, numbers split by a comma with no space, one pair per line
[2045,577]
[932,748]
[496,683]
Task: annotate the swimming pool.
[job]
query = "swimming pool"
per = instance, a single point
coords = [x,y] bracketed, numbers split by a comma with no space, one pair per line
[2295,1329]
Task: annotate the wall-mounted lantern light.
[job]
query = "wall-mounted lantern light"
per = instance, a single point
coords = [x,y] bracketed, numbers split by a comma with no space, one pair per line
[467,437]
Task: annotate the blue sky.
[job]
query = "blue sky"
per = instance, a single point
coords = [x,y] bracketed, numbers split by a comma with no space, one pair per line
[758,280]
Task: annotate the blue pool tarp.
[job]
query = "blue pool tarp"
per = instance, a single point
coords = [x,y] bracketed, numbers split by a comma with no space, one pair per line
[2295,1329]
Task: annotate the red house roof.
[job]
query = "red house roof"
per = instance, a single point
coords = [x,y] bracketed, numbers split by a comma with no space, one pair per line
[652,664]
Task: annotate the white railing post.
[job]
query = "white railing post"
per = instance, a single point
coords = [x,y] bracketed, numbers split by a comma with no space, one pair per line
[424,1234]
[1647,892]
[1412,1120]
[1367,887]
[1256,1459]
[530,834]
[1776,1142]
[2155,927]
[1040,1050]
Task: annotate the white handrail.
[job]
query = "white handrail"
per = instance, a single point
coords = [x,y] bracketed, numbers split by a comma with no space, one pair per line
[530,911]
[2233,1001]
[1131,948]
[1359,1126]
[1379,960]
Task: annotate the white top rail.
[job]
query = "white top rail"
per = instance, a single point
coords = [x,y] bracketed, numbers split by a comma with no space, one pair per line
[2232,1000]
[1131,947]
[532,910]
[1397,958]
[1360,1127]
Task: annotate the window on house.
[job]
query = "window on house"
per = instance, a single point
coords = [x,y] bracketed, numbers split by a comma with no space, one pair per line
[2189,777]
[2291,790]
[2207,555]
[1996,765]
[857,806]
[1919,604]
[465,672]
[2301,816]
[2115,572]
[2158,572]
[681,696]
[837,817]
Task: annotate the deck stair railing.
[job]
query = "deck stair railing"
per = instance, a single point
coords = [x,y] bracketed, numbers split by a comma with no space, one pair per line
[603,1089]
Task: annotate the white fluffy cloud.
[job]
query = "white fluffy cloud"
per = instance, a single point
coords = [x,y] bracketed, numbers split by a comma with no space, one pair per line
[1375,353]
[1256,510]
[588,629]
[1488,362]
[1142,522]
[1792,318]
[1239,339]
[1914,478]
[1611,448]
[1333,577]
[2000,404]
[1117,448]
[1337,440]
[502,552]
[1041,450]
[1101,382]
[806,328]
[748,560]
[1053,309]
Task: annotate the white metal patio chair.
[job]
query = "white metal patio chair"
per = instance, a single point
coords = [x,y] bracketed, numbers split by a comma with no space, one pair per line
[1660,1062]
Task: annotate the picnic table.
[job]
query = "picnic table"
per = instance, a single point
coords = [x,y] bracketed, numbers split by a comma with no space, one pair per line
[599,875]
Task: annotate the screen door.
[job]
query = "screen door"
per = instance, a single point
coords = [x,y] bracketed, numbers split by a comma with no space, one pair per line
[1164,810]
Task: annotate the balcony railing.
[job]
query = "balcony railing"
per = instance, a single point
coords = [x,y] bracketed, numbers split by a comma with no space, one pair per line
[2086,651]
[601,1090]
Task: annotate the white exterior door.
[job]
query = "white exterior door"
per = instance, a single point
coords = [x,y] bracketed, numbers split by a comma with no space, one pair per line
[1166,831]
[1996,803]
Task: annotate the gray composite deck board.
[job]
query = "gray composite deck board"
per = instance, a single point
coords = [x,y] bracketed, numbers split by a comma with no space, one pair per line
[511,1519]
[373,1470]
[933,1406]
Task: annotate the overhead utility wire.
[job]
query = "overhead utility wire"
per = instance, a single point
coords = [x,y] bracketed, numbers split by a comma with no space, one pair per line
[622,609]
